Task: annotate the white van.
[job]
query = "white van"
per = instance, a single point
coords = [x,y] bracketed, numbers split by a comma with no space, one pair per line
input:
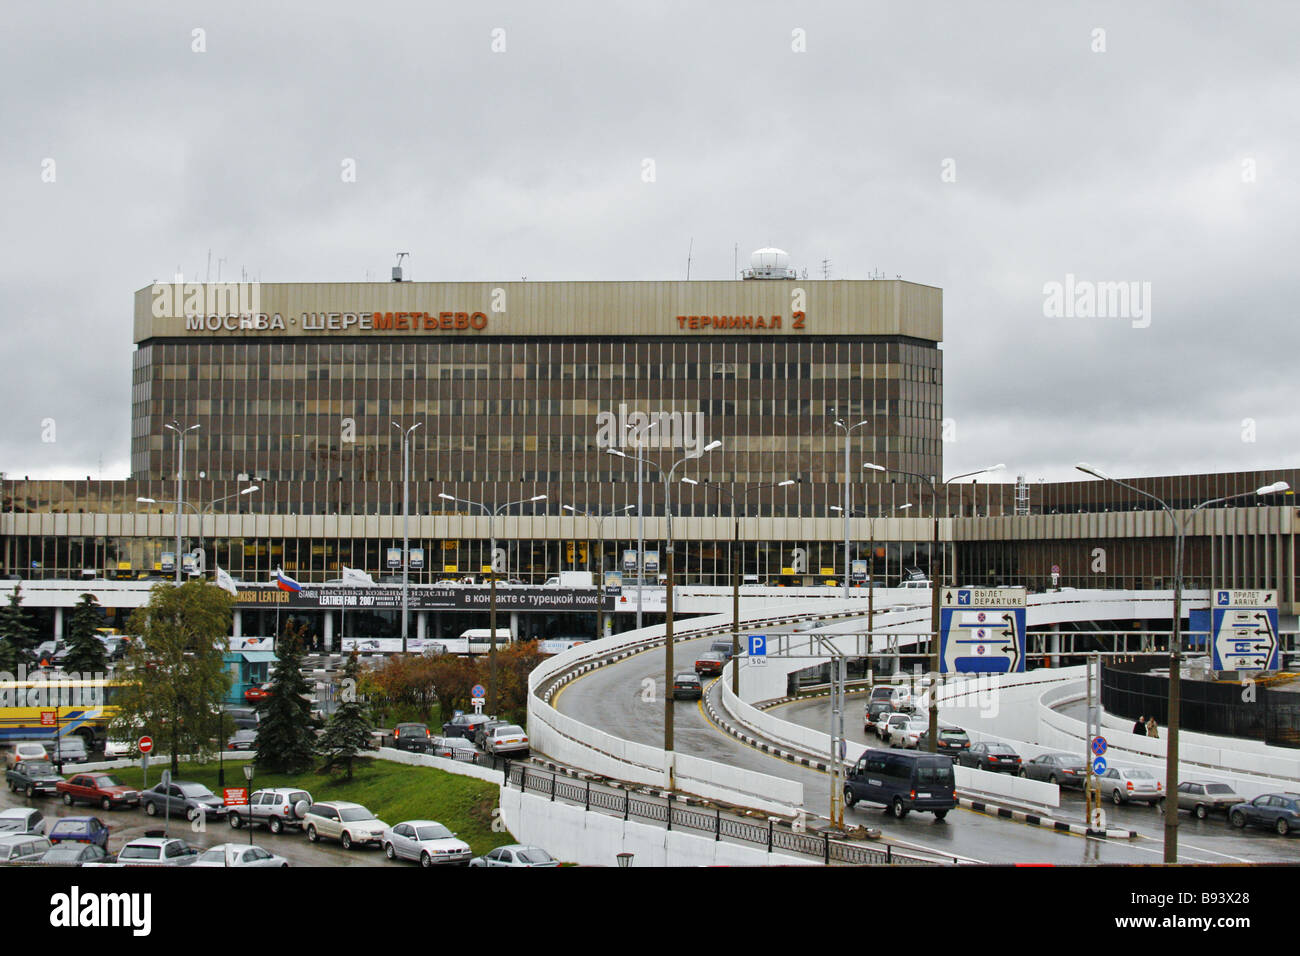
[476,640]
[916,585]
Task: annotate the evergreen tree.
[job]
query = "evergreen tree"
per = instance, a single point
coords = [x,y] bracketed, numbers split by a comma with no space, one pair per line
[348,730]
[176,676]
[85,649]
[17,633]
[285,741]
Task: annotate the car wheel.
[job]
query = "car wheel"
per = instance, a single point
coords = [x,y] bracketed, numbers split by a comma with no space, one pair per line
[234,821]
[1202,811]
[1283,828]
[940,814]
[31,791]
[389,851]
[276,825]
[67,799]
[345,840]
[899,810]
[106,804]
[312,834]
[426,860]
[850,798]
[1238,819]
[1116,797]
[151,809]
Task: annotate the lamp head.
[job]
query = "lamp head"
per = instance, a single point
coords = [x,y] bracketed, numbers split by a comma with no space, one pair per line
[446,497]
[873,467]
[1273,488]
[537,498]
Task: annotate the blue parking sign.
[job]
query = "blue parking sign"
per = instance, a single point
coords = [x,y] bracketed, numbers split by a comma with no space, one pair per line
[757,645]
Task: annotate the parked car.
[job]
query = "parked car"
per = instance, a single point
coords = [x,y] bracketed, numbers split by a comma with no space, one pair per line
[1064,770]
[242,740]
[75,854]
[453,748]
[717,647]
[22,820]
[516,854]
[79,830]
[507,739]
[157,851]
[907,734]
[276,807]
[101,788]
[24,751]
[260,692]
[1203,798]
[484,730]
[1130,785]
[182,798]
[1280,811]
[427,841]
[239,854]
[349,823]
[32,777]
[709,664]
[873,713]
[22,847]
[67,749]
[412,737]
[902,782]
[241,718]
[990,755]
[687,687]
[884,720]
[952,740]
[464,725]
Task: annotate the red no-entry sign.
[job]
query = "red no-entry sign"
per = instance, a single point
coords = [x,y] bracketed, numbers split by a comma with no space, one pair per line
[145,744]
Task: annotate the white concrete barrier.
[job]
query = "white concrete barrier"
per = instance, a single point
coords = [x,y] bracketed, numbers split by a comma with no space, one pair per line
[458,767]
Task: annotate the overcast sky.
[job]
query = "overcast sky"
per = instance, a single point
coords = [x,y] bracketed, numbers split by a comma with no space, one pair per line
[988,149]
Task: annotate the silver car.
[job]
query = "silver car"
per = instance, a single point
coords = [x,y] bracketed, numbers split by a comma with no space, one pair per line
[516,854]
[276,808]
[427,841]
[157,851]
[22,820]
[15,847]
[507,739]
[349,823]
[1129,785]
[239,854]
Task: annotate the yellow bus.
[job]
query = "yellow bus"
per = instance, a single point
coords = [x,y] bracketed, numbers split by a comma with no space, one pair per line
[40,709]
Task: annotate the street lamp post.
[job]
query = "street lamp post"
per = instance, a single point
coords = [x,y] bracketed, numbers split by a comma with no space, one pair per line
[871,590]
[248,807]
[406,518]
[492,586]
[203,512]
[668,599]
[1176,644]
[936,562]
[181,431]
[600,582]
[640,514]
[848,485]
[736,565]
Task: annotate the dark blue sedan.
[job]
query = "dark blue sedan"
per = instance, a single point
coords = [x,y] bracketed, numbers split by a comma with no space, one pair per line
[79,830]
[1277,811]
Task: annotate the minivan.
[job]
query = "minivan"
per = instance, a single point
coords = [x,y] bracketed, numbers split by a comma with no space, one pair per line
[902,782]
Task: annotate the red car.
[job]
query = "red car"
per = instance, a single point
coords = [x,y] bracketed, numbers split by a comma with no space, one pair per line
[260,692]
[101,788]
[709,664]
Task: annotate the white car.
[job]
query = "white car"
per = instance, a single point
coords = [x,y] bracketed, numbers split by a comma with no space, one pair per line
[22,820]
[885,719]
[28,751]
[907,734]
[239,854]
[157,851]
[1125,784]
[508,739]
[516,854]
[427,841]
[349,823]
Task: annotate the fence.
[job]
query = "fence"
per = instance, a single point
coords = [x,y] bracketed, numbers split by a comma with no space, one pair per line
[771,834]
[1212,708]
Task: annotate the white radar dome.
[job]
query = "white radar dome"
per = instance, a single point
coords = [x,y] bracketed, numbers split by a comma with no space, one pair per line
[769,264]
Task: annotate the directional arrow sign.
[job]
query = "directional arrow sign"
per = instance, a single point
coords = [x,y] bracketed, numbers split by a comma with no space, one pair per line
[982,630]
[1244,627]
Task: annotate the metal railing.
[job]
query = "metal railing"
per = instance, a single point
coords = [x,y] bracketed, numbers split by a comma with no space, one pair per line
[772,835]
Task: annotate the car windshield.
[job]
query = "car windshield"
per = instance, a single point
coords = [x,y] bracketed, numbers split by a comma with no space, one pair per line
[412,728]
[34,767]
[196,790]
[1138,774]
[300,796]
[952,734]
[511,730]
[434,831]
[534,855]
[1218,788]
[139,853]
[355,815]
[215,855]
[106,780]
[60,853]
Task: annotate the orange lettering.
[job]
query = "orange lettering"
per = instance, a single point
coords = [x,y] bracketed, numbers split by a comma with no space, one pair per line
[384,320]
[478,320]
[429,321]
[798,320]
[462,320]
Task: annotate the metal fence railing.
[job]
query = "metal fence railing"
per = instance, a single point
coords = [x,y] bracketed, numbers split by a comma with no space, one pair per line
[772,835]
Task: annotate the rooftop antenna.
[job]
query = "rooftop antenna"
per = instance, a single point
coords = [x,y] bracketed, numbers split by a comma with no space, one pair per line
[689,250]
[735,261]
[397,269]
[826,268]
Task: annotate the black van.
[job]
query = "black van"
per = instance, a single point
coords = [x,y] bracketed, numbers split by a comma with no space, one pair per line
[902,781]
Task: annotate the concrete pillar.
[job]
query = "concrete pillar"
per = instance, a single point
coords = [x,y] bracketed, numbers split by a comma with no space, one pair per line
[327,634]
[421,624]
[58,623]
[514,625]
[237,623]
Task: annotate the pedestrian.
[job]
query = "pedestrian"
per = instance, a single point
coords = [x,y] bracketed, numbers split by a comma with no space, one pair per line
[1140,725]
[1152,729]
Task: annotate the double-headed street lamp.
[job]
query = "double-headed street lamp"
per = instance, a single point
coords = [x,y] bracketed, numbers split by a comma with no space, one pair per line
[204,510]
[600,535]
[848,486]
[668,596]
[406,522]
[1176,644]
[737,514]
[936,572]
[181,431]
[492,594]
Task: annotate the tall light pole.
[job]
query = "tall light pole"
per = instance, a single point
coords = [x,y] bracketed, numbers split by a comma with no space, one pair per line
[848,484]
[181,431]
[936,562]
[737,514]
[642,431]
[1176,643]
[492,586]
[406,522]
[600,535]
[871,581]
[668,600]
[206,508]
